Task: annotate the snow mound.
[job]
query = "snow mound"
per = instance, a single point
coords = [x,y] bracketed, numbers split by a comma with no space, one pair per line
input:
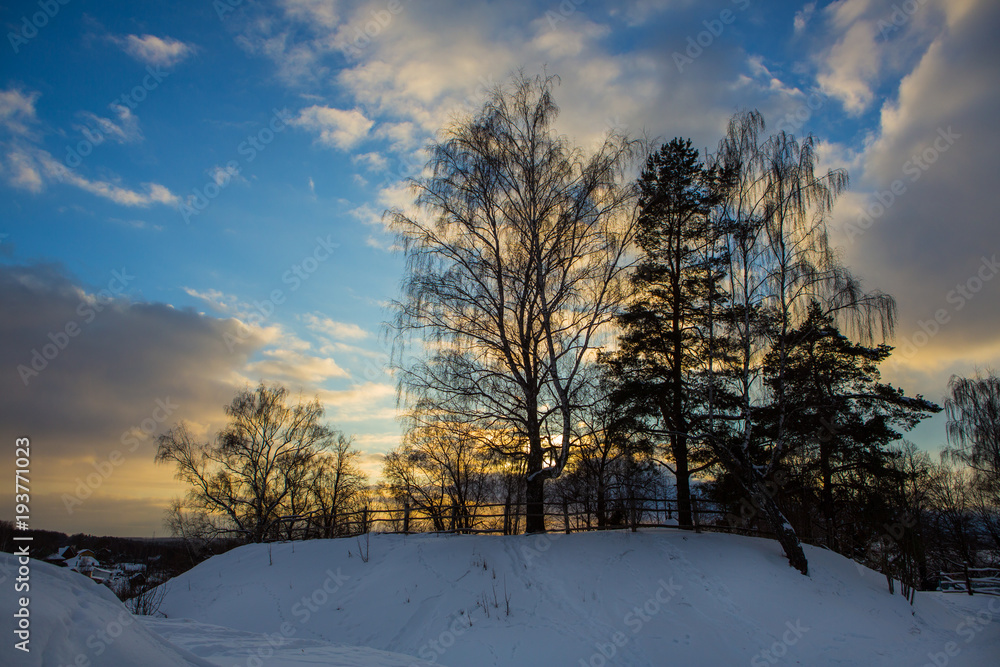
[650,598]
[77,622]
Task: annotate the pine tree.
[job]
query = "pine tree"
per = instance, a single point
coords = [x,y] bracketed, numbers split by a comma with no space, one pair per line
[664,345]
[837,413]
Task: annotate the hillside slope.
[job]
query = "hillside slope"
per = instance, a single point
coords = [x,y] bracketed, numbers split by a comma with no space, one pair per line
[75,622]
[651,598]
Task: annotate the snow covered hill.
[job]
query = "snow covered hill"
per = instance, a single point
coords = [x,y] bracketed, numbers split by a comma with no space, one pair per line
[75,622]
[652,598]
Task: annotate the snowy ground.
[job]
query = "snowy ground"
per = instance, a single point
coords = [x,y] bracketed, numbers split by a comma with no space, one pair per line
[652,598]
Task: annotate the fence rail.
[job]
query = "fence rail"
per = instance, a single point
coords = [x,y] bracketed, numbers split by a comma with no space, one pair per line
[982,580]
[508,519]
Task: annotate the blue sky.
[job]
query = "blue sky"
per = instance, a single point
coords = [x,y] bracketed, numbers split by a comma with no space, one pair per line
[300,118]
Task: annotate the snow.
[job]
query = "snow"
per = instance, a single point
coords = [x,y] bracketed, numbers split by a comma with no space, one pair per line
[80,623]
[613,598]
[651,598]
[227,647]
[76,621]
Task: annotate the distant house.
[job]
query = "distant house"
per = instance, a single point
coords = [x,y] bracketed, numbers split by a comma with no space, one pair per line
[61,555]
[83,561]
[100,576]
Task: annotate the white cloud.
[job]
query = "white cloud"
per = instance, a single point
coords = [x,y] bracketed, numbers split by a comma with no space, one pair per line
[367,215]
[156,51]
[337,128]
[320,12]
[21,171]
[850,68]
[401,136]
[372,161]
[217,300]
[32,169]
[154,192]
[293,366]
[124,131]
[936,145]
[803,16]
[224,175]
[17,111]
[370,400]
[26,166]
[334,329]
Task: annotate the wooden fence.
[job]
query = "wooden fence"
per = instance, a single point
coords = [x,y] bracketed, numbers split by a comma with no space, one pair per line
[982,580]
[509,518]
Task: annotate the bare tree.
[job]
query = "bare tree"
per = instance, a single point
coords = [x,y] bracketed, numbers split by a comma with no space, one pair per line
[255,463]
[974,437]
[336,486]
[515,265]
[442,468]
[974,423]
[773,222]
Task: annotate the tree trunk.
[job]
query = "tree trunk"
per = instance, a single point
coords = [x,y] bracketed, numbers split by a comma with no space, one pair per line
[829,508]
[534,495]
[602,506]
[684,515]
[534,520]
[786,534]
[753,483]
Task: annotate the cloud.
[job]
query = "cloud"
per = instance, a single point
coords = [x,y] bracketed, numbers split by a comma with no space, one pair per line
[294,367]
[153,193]
[334,329]
[124,131]
[156,51]
[225,175]
[850,68]
[401,136]
[108,368]
[319,12]
[360,402]
[21,171]
[803,16]
[17,111]
[372,161]
[936,144]
[337,128]
[27,166]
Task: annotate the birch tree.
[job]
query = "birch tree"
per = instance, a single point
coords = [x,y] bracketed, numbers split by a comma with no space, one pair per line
[515,266]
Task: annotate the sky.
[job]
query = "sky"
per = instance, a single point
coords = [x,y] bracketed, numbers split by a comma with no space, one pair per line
[193,191]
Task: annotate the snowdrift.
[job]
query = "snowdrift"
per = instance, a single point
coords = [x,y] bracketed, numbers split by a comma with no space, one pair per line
[75,622]
[659,597]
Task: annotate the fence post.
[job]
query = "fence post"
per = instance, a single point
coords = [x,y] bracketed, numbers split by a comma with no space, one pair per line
[694,514]
[968,581]
[406,517]
[364,519]
[566,515]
